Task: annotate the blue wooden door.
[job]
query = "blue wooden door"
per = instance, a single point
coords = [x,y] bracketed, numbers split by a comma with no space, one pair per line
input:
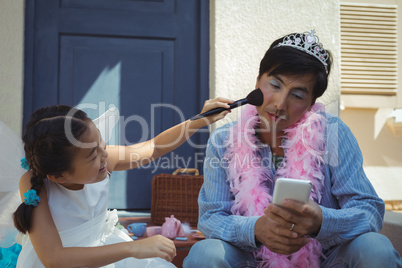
[147,58]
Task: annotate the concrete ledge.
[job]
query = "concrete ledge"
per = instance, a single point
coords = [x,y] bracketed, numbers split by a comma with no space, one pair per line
[395,205]
[393,229]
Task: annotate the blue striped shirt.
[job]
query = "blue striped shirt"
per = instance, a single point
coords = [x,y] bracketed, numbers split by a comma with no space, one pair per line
[350,205]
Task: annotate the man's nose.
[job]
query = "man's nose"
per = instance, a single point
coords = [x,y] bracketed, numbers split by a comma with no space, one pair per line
[281,101]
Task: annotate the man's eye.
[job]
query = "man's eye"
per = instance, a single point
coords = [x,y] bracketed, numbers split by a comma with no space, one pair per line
[276,86]
[298,95]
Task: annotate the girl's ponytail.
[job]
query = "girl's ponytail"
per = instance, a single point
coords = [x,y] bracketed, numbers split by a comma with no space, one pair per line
[22,216]
[48,151]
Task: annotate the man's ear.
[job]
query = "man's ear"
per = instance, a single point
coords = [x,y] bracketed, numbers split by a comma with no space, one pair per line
[256,81]
[60,178]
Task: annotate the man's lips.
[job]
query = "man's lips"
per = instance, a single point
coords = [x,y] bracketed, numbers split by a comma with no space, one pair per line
[276,117]
[273,116]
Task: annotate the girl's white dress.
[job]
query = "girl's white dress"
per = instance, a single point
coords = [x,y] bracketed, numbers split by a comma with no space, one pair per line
[83,220]
[81,217]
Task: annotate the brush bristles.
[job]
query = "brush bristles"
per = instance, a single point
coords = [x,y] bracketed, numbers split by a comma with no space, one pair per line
[255,97]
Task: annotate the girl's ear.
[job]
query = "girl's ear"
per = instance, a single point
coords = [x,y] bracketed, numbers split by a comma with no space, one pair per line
[57,178]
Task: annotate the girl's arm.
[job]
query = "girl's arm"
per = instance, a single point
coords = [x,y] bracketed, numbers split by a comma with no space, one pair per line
[49,248]
[129,157]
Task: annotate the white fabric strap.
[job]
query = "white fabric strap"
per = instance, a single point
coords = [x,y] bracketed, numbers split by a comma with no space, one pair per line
[94,230]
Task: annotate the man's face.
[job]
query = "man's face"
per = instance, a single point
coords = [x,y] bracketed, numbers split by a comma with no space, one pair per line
[286,99]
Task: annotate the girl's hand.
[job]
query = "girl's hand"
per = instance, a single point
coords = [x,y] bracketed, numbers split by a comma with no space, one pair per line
[155,246]
[215,103]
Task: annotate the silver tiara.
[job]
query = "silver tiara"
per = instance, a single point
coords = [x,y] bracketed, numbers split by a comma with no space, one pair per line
[307,42]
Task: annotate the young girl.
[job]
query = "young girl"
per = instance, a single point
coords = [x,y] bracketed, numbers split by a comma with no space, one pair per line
[65,192]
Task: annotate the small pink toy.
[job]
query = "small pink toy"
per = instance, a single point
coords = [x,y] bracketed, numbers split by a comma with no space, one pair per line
[153,230]
[172,228]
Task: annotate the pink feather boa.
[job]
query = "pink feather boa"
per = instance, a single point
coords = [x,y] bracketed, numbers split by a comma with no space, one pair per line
[304,147]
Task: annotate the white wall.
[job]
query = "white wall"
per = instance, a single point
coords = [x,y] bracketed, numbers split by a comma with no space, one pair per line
[11,62]
[242,31]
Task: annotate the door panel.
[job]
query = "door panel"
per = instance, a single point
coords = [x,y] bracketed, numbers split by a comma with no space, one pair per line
[160,6]
[147,58]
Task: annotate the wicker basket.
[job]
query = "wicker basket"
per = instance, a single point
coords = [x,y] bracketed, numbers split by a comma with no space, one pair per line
[176,194]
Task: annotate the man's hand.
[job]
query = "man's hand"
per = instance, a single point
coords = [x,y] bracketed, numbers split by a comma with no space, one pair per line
[277,238]
[307,218]
[283,229]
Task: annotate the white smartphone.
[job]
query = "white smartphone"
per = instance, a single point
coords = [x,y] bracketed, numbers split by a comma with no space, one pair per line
[285,188]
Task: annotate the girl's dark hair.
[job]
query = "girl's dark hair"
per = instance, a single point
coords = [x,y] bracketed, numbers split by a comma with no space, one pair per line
[289,60]
[48,150]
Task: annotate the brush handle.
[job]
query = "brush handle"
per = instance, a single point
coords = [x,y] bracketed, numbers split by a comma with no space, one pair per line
[219,110]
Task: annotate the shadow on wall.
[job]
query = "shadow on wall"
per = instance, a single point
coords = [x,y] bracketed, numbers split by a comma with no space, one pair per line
[377,143]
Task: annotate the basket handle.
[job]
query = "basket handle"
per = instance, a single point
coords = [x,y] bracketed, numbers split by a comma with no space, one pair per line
[186,170]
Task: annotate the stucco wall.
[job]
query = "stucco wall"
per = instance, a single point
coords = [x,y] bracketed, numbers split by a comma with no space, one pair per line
[242,30]
[11,62]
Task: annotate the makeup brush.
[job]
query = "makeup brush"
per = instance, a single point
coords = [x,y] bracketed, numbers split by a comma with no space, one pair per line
[255,98]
